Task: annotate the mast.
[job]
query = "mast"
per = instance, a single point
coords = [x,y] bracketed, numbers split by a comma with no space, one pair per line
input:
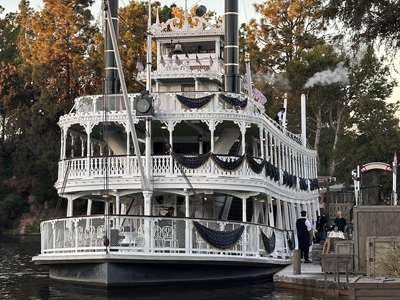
[231,49]
[144,179]
[111,84]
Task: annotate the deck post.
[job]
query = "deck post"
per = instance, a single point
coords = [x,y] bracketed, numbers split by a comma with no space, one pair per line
[187,221]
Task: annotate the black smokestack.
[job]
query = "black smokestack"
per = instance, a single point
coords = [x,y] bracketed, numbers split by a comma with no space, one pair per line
[111,80]
[231,50]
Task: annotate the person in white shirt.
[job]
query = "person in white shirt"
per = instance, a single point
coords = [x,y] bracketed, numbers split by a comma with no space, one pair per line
[335,233]
[279,116]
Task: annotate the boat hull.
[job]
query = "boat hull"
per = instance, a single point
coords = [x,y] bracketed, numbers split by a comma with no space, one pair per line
[123,274]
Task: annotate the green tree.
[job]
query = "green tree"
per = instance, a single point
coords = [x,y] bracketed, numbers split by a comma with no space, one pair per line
[286,30]
[372,134]
[368,20]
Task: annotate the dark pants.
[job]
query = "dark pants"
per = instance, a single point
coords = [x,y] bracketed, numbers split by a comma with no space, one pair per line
[304,246]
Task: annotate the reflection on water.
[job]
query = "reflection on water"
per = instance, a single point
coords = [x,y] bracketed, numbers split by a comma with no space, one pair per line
[20,278]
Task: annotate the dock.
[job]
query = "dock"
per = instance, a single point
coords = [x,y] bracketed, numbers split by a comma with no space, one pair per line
[312,278]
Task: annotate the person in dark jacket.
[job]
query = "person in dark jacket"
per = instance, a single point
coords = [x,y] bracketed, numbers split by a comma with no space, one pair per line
[304,235]
[340,222]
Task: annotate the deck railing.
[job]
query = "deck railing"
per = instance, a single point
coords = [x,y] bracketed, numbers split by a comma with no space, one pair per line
[138,234]
[127,166]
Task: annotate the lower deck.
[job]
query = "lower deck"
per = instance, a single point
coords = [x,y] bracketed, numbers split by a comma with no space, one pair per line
[109,250]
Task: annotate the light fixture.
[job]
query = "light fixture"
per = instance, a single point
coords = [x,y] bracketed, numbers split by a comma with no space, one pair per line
[164,127]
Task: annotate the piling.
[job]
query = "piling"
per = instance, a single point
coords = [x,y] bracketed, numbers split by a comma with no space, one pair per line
[297,262]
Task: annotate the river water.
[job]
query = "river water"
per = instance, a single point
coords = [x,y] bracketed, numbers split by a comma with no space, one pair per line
[21,279]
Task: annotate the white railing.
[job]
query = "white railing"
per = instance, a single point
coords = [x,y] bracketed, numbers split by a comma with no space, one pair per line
[130,234]
[162,102]
[117,166]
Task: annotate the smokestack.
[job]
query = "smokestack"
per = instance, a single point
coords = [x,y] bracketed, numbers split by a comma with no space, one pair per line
[303,120]
[111,80]
[231,50]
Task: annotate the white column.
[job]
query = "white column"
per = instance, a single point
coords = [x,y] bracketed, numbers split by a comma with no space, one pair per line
[187,221]
[106,208]
[70,208]
[217,50]
[287,160]
[243,131]
[89,207]
[244,209]
[295,215]
[88,146]
[303,121]
[158,55]
[147,202]
[117,204]
[171,162]
[123,208]
[261,131]
[285,114]
[279,214]
[286,213]
[270,211]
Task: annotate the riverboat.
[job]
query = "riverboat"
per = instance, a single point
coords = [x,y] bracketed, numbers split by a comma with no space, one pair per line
[197,140]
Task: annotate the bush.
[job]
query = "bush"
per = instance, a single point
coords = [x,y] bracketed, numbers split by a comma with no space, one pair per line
[34,228]
[11,208]
[389,263]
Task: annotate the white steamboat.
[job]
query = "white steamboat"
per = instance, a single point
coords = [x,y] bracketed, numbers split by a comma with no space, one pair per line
[198,142]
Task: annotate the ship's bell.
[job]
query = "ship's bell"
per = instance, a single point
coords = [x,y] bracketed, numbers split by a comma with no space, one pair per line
[177,48]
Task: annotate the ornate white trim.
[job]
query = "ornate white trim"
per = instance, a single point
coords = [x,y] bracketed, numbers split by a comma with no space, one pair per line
[202,28]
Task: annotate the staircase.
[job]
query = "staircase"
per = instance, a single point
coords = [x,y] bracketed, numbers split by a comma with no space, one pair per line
[234,151]
[235,212]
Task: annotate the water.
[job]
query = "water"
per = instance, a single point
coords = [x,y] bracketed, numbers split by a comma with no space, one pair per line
[21,279]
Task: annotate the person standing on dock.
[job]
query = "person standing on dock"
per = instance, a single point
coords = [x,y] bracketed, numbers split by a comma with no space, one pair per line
[304,235]
[340,222]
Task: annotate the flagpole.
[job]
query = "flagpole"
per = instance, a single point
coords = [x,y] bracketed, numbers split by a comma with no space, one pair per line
[394,171]
[148,63]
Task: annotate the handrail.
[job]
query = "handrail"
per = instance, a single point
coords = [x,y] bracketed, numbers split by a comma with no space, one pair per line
[87,235]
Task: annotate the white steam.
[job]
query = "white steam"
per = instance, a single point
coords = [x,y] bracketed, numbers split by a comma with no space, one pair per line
[327,77]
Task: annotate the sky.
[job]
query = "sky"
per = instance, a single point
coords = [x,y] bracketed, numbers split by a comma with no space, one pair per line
[246,12]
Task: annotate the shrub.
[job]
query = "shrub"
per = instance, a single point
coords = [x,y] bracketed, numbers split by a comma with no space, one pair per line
[389,263]
[11,208]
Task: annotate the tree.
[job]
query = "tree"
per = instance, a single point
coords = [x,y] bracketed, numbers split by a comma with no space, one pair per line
[286,30]
[315,74]
[369,20]
[61,37]
[372,134]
